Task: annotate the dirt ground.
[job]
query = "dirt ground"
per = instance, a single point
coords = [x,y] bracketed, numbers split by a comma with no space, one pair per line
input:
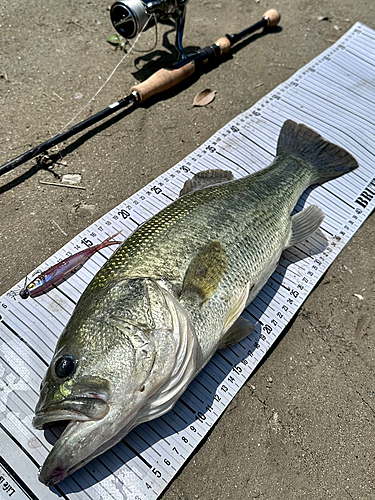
[303,425]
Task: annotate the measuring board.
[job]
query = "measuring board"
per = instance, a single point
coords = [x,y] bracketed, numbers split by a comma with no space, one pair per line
[335,95]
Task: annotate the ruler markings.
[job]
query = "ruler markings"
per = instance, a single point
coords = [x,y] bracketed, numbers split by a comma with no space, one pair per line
[362,55]
[16,326]
[29,401]
[334,119]
[342,63]
[29,319]
[333,93]
[10,350]
[56,324]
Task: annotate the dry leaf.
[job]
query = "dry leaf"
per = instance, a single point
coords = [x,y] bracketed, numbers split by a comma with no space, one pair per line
[205,97]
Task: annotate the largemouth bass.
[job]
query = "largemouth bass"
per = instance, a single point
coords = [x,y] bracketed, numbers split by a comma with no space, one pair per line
[172,295]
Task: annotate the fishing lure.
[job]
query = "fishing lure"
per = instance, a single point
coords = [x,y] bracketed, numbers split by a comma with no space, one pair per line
[60,270]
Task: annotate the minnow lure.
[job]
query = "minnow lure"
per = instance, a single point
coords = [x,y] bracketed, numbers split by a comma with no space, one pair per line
[60,270]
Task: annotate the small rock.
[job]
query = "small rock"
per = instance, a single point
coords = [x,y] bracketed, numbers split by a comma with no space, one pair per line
[84,210]
[71,178]
[78,95]
[359,296]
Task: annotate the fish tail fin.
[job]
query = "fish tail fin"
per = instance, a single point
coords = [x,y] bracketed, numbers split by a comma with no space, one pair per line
[327,160]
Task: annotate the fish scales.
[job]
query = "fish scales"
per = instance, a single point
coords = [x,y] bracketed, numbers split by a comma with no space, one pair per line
[172,295]
[250,217]
[250,208]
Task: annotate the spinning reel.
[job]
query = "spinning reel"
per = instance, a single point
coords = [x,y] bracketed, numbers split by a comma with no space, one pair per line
[129,17]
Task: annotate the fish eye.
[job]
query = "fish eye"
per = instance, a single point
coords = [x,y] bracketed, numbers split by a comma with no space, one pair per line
[30,286]
[65,366]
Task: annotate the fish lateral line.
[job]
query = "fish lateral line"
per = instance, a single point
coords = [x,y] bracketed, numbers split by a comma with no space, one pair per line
[59,271]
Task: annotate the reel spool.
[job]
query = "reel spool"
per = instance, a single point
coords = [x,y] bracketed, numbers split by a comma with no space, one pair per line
[129,17]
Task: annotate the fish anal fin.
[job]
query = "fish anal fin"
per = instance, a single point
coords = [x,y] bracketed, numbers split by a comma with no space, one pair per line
[205,271]
[305,223]
[240,329]
[205,179]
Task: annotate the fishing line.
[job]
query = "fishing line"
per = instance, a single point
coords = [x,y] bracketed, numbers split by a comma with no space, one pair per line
[156,39]
[110,76]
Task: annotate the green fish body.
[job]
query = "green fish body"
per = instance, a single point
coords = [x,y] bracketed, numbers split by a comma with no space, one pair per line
[172,295]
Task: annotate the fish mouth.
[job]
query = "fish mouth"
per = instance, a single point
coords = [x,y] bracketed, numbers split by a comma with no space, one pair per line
[56,468]
[81,408]
[79,413]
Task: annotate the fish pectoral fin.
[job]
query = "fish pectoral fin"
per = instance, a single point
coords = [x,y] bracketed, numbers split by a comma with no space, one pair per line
[206,178]
[305,223]
[205,272]
[236,327]
[240,329]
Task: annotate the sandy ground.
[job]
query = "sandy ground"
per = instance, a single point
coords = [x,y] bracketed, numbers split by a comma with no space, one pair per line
[303,425]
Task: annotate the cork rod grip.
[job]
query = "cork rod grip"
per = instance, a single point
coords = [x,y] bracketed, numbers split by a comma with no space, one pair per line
[162,80]
[224,44]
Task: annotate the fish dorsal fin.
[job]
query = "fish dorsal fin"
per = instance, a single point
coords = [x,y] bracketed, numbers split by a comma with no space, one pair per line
[206,178]
[305,223]
[205,271]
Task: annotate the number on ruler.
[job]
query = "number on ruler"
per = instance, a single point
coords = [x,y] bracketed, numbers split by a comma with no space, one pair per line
[124,214]
[12,294]
[200,416]
[87,242]
[267,328]
[156,472]
[156,189]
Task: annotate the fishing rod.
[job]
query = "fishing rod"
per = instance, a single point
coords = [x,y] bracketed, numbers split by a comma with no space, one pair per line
[160,81]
